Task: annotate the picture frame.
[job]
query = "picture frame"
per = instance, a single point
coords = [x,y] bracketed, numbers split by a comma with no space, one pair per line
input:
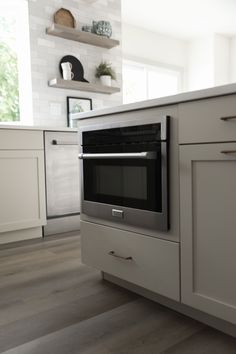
[77,105]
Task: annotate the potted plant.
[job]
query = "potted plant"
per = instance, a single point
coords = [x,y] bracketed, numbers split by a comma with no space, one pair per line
[105,73]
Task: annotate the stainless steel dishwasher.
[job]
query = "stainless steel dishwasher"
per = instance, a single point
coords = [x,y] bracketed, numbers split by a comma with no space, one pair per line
[62,182]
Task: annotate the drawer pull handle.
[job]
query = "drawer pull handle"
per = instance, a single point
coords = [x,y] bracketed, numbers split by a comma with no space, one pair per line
[113,254]
[57,142]
[228,152]
[227,118]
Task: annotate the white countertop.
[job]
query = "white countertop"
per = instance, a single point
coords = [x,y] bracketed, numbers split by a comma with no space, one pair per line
[163,101]
[17,126]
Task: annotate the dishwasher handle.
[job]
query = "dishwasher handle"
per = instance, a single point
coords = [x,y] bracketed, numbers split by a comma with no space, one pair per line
[58,142]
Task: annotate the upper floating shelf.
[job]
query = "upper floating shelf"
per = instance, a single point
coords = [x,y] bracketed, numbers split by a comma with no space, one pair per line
[81,36]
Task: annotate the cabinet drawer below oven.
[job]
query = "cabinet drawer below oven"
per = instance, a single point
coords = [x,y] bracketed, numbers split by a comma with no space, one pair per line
[145,261]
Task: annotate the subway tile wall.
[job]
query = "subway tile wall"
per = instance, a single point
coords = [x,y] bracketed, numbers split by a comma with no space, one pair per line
[49,104]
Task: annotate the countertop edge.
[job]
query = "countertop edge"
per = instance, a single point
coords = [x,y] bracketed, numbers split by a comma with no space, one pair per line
[37,128]
[223,90]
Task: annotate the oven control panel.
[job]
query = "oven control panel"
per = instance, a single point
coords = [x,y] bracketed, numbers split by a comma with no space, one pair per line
[117,213]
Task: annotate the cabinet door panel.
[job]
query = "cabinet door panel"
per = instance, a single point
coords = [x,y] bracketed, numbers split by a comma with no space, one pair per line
[208,228]
[22,191]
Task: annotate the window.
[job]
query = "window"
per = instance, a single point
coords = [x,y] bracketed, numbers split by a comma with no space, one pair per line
[15,72]
[142,82]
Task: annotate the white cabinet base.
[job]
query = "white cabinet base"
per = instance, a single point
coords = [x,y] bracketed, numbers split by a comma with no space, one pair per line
[22,185]
[20,235]
[22,189]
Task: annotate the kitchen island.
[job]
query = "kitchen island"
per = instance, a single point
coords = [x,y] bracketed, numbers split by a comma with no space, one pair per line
[190,267]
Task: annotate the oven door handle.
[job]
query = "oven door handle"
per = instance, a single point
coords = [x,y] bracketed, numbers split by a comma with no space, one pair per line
[150,155]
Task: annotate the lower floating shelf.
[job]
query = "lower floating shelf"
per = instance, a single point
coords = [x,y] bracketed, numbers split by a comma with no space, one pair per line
[82,86]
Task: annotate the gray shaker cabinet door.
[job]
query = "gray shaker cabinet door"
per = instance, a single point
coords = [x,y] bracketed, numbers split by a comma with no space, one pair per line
[208,228]
[62,173]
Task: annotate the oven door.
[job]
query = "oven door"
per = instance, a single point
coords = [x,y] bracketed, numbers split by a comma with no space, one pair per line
[127,187]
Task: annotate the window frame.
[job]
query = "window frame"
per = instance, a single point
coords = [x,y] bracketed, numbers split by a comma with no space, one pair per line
[156,67]
[23,53]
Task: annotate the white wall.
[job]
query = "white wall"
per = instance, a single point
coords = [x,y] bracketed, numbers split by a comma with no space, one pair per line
[49,104]
[200,70]
[205,62]
[208,62]
[222,59]
[152,47]
[233,60]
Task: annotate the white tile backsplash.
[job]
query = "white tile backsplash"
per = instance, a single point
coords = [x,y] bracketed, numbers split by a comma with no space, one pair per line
[55,109]
[49,104]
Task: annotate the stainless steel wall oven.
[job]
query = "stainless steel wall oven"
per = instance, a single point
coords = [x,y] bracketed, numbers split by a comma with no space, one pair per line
[124,170]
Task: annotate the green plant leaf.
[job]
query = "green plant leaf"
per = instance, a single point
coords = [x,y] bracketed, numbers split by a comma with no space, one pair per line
[105,68]
[9,91]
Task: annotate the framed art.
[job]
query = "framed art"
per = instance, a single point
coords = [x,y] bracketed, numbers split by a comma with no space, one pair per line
[77,105]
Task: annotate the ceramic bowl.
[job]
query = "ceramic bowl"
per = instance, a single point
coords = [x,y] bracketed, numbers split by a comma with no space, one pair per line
[102,28]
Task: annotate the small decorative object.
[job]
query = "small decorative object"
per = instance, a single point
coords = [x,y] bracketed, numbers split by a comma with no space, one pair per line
[105,73]
[77,105]
[87,28]
[76,68]
[103,28]
[66,71]
[65,18]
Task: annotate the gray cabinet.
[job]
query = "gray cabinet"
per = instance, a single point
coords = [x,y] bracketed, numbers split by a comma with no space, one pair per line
[208,121]
[142,260]
[208,228]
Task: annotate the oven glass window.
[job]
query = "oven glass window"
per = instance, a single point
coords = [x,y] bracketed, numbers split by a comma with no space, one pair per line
[133,183]
[121,181]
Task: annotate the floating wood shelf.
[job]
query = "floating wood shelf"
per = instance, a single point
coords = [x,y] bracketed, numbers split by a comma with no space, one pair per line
[82,86]
[81,36]
[90,1]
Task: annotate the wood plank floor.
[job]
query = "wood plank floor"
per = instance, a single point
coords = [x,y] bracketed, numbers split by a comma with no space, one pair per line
[52,304]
